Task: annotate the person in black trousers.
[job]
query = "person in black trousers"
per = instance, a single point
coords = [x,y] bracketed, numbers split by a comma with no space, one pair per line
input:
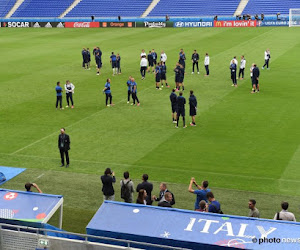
[58,91]
[107,180]
[64,147]
[193,107]
[195,59]
[181,109]
[233,73]
[255,78]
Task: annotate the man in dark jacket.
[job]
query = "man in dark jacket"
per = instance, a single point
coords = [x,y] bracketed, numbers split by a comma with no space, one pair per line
[107,180]
[193,107]
[255,78]
[146,186]
[195,59]
[173,99]
[163,191]
[181,109]
[167,202]
[64,147]
[233,73]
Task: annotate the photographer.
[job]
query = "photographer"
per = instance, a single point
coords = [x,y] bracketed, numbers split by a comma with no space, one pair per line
[201,192]
[107,180]
[28,186]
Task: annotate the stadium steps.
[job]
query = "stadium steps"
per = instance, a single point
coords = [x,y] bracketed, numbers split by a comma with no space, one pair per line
[150,8]
[14,8]
[241,7]
[72,6]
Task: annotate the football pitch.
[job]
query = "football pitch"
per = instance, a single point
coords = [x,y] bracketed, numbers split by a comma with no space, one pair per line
[246,145]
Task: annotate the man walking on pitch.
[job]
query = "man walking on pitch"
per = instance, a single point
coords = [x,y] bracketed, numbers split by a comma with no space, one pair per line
[255,78]
[64,147]
[242,68]
[173,99]
[158,76]
[134,92]
[69,87]
[88,58]
[84,57]
[98,62]
[59,91]
[150,61]
[233,73]
[107,92]
[267,59]
[195,59]
[193,107]
[206,64]
[143,64]
[113,62]
[181,109]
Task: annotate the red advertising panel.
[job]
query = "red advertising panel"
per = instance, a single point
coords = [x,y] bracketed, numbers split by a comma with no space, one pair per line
[238,23]
[82,24]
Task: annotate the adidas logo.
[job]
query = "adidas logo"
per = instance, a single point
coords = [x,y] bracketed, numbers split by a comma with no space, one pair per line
[60,25]
[48,25]
[36,25]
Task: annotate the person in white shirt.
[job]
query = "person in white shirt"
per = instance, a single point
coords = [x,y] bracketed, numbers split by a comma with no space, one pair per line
[284,214]
[69,87]
[267,59]
[242,67]
[163,56]
[206,64]
[143,53]
[144,65]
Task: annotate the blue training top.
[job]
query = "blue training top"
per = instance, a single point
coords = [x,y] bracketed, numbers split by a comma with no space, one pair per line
[134,84]
[113,58]
[107,86]
[58,90]
[129,85]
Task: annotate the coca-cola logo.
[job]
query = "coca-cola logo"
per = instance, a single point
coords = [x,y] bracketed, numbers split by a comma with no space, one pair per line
[81,25]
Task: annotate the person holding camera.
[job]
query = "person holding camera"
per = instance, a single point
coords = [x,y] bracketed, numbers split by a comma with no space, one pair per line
[107,180]
[28,186]
[200,192]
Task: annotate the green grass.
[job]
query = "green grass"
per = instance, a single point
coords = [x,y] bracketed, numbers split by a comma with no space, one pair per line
[247,146]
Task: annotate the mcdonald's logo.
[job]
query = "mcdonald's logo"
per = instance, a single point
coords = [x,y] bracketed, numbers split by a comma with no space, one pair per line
[218,24]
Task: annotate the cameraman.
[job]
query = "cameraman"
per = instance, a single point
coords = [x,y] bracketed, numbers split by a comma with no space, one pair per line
[201,192]
[107,180]
[28,186]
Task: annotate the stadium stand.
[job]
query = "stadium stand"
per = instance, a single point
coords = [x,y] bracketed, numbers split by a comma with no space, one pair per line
[270,7]
[109,8]
[5,6]
[42,8]
[175,8]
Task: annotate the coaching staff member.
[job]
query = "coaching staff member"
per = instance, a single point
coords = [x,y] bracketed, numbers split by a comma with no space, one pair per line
[148,186]
[64,147]
[193,107]
[173,99]
[255,78]
[195,59]
[181,109]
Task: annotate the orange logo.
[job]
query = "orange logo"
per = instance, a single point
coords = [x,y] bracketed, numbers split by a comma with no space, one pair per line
[218,24]
[104,25]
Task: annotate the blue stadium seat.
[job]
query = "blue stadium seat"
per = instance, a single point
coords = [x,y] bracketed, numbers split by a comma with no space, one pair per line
[5,6]
[42,8]
[270,7]
[110,8]
[190,8]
